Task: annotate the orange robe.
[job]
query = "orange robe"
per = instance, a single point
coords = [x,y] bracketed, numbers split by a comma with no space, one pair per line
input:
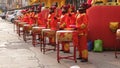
[25,18]
[81,23]
[41,21]
[54,24]
[62,21]
[51,25]
[50,17]
[32,18]
[70,20]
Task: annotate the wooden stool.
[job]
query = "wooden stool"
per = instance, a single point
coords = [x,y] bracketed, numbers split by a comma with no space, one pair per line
[50,34]
[65,36]
[20,27]
[118,40]
[26,31]
[16,24]
[36,31]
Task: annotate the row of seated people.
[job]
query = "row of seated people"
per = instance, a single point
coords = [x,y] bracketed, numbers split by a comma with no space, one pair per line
[63,25]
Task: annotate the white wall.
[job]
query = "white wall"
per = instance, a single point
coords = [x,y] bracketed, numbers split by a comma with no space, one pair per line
[24,3]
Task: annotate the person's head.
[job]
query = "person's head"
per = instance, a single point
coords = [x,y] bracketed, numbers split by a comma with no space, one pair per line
[23,11]
[82,10]
[72,8]
[32,8]
[52,9]
[85,5]
[64,9]
[39,8]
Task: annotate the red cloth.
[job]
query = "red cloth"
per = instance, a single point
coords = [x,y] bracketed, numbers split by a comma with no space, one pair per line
[99,18]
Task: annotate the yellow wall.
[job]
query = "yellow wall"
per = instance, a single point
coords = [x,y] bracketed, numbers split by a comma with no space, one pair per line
[104,1]
[33,2]
[48,3]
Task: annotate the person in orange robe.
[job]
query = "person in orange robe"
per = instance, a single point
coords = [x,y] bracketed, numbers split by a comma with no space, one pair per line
[40,19]
[66,21]
[41,22]
[81,25]
[62,22]
[32,18]
[51,15]
[63,17]
[52,22]
[25,18]
[69,17]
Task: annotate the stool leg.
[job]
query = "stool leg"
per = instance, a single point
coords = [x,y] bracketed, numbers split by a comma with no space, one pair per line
[58,57]
[24,35]
[75,54]
[14,25]
[41,41]
[44,45]
[116,50]
[55,45]
[18,30]
[17,27]
[33,39]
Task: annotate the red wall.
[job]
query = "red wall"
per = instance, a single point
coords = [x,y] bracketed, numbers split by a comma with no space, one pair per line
[99,18]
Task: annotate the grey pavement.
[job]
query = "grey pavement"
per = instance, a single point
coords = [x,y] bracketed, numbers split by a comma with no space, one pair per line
[15,53]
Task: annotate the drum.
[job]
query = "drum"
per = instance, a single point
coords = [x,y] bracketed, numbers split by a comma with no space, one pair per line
[37,29]
[48,33]
[27,27]
[61,36]
[44,30]
[64,35]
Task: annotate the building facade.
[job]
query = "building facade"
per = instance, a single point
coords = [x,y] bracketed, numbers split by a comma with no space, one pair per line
[2,5]
[12,4]
[24,3]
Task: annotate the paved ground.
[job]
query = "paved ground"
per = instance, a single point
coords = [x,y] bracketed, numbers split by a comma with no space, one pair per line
[15,53]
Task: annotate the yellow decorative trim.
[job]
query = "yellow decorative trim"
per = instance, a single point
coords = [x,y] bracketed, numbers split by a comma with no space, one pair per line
[85,53]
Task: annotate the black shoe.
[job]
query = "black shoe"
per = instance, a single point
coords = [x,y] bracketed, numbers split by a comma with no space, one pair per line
[61,50]
[84,60]
[66,51]
[79,58]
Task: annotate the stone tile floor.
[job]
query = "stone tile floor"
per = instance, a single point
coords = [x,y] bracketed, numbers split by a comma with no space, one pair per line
[15,53]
